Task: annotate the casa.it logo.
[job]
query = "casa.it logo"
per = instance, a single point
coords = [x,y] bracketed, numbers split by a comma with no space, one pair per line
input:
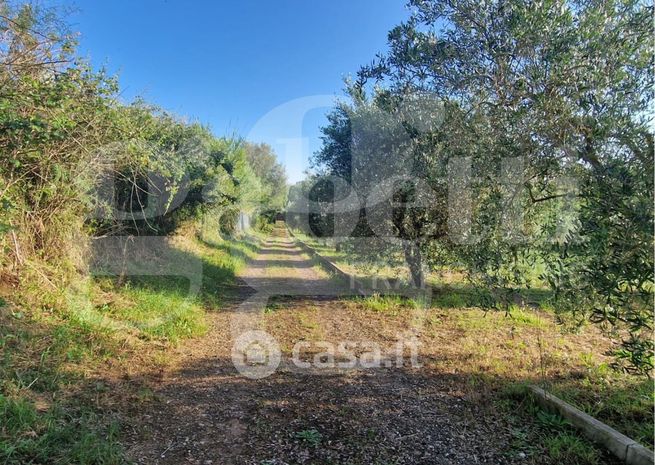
[256,354]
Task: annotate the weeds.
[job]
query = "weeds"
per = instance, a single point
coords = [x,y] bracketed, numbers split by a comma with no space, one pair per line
[550,433]
[389,304]
[59,435]
[310,436]
[45,349]
[570,448]
[625,403]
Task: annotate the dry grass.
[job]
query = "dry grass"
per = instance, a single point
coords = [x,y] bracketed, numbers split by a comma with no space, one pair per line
[58,361]
[494,352]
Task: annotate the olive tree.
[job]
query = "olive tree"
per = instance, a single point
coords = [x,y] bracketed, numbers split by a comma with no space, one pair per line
[549,103]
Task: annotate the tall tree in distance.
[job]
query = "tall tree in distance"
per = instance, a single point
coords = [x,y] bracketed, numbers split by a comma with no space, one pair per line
[271,173]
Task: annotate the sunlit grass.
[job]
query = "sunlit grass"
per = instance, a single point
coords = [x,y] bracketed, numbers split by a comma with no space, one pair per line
[389,304]
[170,316]
[45,350]
[527,346]
[625,402]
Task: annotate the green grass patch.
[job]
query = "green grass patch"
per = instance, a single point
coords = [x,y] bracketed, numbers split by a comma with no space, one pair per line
[221,262]
[623,402]
[526,317]
[570,448]
[389,304]
[451,297]
[41,348]
[477,320]
[164,307]
[548,434]
[58,435]
[167,315]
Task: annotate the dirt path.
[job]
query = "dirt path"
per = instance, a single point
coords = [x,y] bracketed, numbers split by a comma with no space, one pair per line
[282,268]
[205,412]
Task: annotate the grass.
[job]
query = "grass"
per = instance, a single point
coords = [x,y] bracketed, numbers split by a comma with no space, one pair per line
[517,317]
[307,319]
[55,436]
[625,403]
[502,353]
[570,448]
[389,304]
[168,308]
[549,433]
[48,413]
[145,307]
[527,345]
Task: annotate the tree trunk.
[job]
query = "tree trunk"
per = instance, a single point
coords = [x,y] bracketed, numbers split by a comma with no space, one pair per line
[413,259]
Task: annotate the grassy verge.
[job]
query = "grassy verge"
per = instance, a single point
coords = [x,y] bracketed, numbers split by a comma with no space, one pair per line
[624,402]
[449,287]
[500,355]
[52,357]
[529,346]
[536,432]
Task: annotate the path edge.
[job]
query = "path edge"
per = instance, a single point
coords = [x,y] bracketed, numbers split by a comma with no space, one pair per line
[355,284]
[620,445]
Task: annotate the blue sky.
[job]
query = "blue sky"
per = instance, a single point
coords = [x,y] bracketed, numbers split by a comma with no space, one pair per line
[262,69]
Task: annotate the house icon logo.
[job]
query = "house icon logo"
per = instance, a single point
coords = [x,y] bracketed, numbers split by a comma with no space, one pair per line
[256,354]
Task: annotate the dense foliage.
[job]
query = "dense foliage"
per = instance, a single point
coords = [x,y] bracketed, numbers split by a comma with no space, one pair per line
[76,163]
[536,168]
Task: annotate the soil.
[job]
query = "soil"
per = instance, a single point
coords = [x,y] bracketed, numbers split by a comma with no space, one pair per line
[203,411]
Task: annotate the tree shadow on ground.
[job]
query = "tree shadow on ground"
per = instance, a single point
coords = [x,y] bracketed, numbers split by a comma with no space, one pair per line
[398,415]
[171,271]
